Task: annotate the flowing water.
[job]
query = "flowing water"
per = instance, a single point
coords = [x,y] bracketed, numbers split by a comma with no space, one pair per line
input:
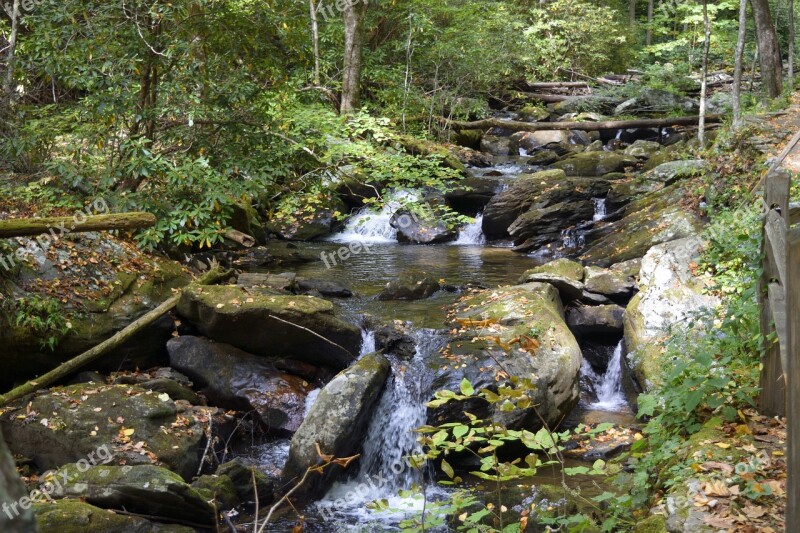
[383,472]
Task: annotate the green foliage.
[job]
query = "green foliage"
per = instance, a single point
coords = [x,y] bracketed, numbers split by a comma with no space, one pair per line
[43,317]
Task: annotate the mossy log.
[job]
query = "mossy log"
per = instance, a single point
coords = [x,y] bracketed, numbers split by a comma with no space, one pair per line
[69,367]
[584,126]
[422,147]
[61,225]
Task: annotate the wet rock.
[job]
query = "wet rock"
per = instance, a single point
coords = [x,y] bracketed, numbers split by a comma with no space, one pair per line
[12,490]
[411,285]
[73,516]
[615,284]
[590,103]
[217,489]
[336,423]
[412,229]
[670,293]
[329,289]
[595,163]
[654,219]
[144,489]
[175,390]
[542,158]
[564,274]
[522,312]
[273,326]
[587,320]
[531,141]
[65,425]
[237,380]
[393,340]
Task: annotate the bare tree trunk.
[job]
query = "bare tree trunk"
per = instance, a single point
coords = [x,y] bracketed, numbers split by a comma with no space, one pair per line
[701,130]
[8,86]
[768,49]
[791,45]
[14,518]
[739,67]
[351,81]
[632,11]
[312,8]
[649,36]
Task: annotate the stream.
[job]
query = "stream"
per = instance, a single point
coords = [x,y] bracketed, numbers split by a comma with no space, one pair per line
[382,473]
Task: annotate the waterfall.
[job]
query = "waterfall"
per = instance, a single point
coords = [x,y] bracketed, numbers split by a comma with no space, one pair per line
[599,209]
[572,238]
[472,234]
[390,440]
[608,386]
[368,226]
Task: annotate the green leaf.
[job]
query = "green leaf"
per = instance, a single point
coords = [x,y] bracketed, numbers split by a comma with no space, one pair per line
[466,387]
[447,469]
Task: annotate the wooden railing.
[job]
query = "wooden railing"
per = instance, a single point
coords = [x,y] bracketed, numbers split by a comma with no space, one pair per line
[779,300]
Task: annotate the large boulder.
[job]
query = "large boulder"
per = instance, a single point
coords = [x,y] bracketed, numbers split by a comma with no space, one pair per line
[616,283]
[595,163]
[672,171]
[69,424]
[237,380]
[537,207]
[564,274]
[309,222]
[499,327]
[472,195]
[670,292]
[642,149]
[73,516]
[144,489]
[299,327]
[656,218]
[495,145]
[337,422]
[82,289]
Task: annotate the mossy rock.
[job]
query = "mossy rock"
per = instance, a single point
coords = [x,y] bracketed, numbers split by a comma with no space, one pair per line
[218,488]
[652,524]
[144,489]
[531,113]
[71,423]
[73,516]
[273,326]
[564,274]
[595,163]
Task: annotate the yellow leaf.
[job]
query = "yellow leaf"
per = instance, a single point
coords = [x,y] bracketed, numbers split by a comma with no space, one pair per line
[723,445]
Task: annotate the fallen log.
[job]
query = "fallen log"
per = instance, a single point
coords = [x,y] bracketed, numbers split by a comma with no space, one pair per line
[79,223]
[584,126]
[239,237]
[558,85]
[548,98]
[68,367]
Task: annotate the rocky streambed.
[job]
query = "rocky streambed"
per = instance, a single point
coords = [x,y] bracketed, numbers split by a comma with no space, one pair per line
[334,339]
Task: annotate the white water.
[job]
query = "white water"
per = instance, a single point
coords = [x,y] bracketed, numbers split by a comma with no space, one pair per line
[472,234]
[384,470]
[599,209]
[371,227]
[608,387]
[571,238]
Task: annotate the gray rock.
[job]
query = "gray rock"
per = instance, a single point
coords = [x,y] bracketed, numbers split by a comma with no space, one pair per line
[643,149]
[530,311]
[336,423]
[237,380]
[413,229]
[395,341]
[670,293]
[495,145]
[585,320]
[595,163]
[68,516]
[144,489]
[564,274]
[608,282]
[296,327]
[411,285]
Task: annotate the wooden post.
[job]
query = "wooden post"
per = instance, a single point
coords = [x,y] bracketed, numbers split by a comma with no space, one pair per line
[772,293]
[793,385]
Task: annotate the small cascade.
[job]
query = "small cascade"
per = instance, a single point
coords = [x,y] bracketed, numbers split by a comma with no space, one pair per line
[371,227]
[472,234]
[599,209]
[367,342]
[390,440]
[607,387]
[573,239]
